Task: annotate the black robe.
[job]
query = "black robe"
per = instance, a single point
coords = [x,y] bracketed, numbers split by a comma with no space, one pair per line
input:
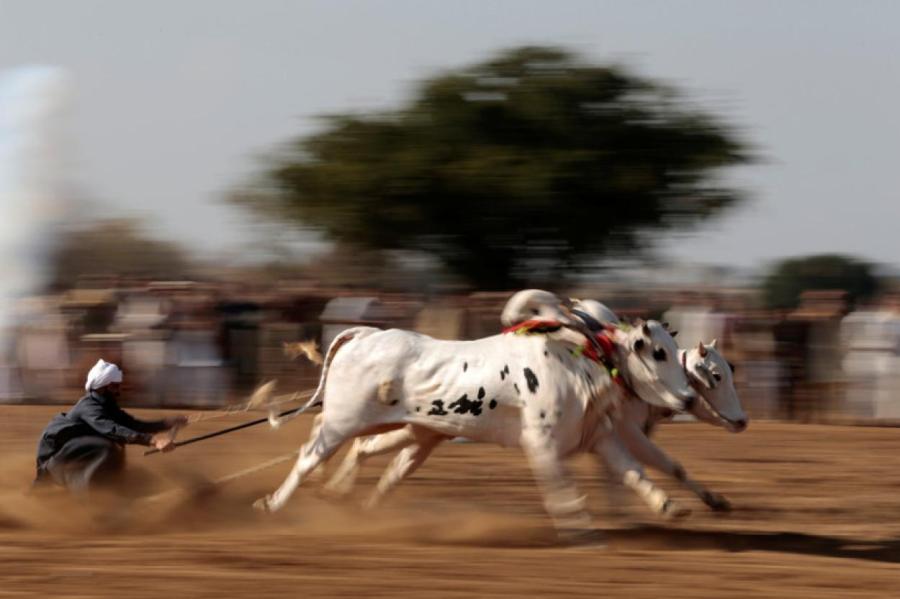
[92,433]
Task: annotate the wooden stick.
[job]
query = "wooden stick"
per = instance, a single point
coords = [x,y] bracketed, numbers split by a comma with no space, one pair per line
[230,429]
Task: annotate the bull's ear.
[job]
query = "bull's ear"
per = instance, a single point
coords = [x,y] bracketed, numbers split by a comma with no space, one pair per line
[646,330]
[638,345]
[702,349]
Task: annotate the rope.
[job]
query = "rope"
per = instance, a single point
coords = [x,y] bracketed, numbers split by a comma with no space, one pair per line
[246,406]
[228,477]
[254,469]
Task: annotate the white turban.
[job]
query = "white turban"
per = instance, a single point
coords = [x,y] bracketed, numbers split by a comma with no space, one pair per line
[102,374]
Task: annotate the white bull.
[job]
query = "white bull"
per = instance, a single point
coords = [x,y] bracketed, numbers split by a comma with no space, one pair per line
[709,373]
[513,390]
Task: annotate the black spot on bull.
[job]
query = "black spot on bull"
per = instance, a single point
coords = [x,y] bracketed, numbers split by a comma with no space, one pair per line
[516,385]
[480,392]
[437,408]
[531,380]
[464,405]
[465,366]
[493,404]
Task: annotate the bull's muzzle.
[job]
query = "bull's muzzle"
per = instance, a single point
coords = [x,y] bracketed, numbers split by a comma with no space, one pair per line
[689,398]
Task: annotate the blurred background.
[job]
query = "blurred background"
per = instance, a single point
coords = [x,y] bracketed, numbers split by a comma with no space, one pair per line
[186,186]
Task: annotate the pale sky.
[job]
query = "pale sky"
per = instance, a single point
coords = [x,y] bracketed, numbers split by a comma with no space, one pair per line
[175,99]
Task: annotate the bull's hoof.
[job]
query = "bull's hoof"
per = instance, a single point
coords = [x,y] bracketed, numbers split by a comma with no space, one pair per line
[338,488]
[262,505]
[716,502]
[372,503]
[334,493]
[671,510]
[581,537]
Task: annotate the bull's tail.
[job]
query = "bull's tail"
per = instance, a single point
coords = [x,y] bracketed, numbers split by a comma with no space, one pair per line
[318,398]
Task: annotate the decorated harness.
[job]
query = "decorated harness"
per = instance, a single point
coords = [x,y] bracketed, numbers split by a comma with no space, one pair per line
[587,349]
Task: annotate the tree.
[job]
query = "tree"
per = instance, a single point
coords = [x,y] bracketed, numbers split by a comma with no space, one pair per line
[789,278]
[517,169]
[114,248]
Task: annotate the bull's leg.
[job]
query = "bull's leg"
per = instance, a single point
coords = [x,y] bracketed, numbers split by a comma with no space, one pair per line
[650,454]
[318,472]
[616,493]
[362,449]
[611,450]
[318,449]
[561,499]
[406,462]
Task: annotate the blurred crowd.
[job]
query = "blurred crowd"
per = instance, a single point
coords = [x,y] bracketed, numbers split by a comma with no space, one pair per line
[189,343]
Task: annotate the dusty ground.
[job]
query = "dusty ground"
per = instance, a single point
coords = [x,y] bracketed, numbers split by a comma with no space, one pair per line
[817,514]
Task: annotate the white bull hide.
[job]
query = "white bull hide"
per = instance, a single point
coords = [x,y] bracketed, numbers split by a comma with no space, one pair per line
[525,390]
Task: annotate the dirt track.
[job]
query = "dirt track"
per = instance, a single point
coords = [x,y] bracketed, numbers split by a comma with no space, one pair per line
[817,514]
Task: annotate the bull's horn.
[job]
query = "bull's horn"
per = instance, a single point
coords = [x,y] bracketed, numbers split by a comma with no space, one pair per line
[713,343]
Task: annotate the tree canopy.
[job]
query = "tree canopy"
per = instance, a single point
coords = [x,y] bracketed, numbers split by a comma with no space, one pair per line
[117,247]
[789,278]
[522,168]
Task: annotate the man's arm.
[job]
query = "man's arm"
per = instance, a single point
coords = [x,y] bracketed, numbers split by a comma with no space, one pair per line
[108,423]
[143,426]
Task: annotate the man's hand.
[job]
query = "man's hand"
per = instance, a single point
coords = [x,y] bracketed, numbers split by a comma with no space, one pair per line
[176,421]
[164,442]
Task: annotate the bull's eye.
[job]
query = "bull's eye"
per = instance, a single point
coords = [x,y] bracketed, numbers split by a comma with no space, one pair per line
[717,376]
[659,354]
[535,311]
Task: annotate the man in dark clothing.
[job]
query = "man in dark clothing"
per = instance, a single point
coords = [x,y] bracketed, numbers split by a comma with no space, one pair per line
[85,446]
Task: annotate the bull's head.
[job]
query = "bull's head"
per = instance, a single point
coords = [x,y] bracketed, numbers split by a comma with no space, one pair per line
[649,363]
[712,376]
